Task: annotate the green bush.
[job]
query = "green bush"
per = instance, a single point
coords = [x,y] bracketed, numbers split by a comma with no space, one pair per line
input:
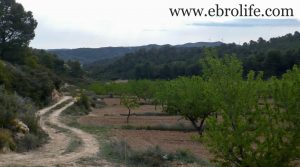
[6,140]
[31,121]
[185,155]
[28,142]
[152,157]
[120,151]
[84,101]
[31,141]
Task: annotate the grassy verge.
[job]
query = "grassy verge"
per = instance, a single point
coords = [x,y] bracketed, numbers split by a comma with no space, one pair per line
[149,114]
[162,127]
[74,143]
[120,152]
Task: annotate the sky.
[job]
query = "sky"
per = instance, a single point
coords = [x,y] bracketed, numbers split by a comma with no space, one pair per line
[103,23]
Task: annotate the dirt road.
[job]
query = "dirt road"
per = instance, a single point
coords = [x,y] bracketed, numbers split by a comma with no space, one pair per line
[53,153]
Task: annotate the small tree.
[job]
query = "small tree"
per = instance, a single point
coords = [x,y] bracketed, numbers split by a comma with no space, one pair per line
[192,99]
[130,103]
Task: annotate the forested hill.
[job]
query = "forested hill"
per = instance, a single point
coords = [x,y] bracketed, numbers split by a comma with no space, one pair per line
[90,55]
[34,74]
[273,57]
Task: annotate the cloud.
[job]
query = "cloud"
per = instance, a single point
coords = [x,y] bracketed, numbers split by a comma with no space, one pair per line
[252,23]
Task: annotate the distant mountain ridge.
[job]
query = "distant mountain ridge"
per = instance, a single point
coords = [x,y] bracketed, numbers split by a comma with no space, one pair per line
[90,55]
[273,57]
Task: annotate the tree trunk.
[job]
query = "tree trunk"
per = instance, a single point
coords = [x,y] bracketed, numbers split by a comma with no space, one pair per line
[129,111]
[194,123]
[200,127]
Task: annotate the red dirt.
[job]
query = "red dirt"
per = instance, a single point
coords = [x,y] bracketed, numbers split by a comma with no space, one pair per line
[115,114]
[143,139]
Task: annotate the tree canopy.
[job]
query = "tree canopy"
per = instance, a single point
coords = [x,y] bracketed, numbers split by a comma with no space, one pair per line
[16,26]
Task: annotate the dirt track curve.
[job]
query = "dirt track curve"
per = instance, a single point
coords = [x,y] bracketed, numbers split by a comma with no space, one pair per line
[53,153]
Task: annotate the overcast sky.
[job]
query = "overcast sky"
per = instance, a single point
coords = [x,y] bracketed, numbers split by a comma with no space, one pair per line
[101,23]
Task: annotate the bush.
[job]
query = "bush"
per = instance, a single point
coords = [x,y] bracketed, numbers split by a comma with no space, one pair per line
[185,155]
[76,110]
[31,121]
[152,157]
[84,101]
[6,140]
[31,141]
[120,151]
[28,142]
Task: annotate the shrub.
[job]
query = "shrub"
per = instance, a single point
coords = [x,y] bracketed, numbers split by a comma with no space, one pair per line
[6,140]
[152,157]
[31,121]
[28,142]
[31,141]
[84,101]
[120,151]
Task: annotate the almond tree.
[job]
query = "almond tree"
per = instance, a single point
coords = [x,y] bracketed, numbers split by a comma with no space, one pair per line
[192,99]
[259,120]
[130,103]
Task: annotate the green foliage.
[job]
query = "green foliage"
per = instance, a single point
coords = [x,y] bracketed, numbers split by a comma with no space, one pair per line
[28,142]
[185,155]
[16,26]
[165,62]
[75,69]
[14,107]
[144,89]
[162,127]
[84,101]
[74,144]
[259,124]
[248,121]
[191,98]
[37,84]
[130,103]
[81,107]
[5,76]
[121,152]
[6,140]
[273,57]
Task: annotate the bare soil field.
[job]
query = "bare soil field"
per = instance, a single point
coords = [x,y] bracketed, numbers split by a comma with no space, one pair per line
[115,114]
[146,116]
[169,141]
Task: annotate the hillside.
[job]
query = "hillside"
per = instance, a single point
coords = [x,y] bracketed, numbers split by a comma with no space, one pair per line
[90,55]
[273,57]
[29,79]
